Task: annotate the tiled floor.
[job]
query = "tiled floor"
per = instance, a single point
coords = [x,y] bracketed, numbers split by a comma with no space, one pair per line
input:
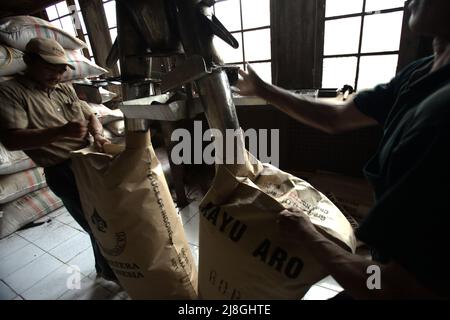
[38,263]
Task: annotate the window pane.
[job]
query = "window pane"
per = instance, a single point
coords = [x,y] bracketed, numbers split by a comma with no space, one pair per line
[113,33]
[67,26]
[229,54]
[110,12]
[341,7]
[374,70]
[264,70]
[375,5]
[229,13]
[257,45]
[382,32]
[62,8]
[339,71]
[342,36]
[52,13]
[255,13]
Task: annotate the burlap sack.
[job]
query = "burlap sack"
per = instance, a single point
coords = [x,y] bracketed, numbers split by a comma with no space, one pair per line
[19,184]
[11,61]
[22,211]
[84,68]
[242,253]
[129,208]
[18,30]
[14,161]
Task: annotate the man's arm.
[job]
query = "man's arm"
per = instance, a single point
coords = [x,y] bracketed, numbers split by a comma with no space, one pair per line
[26,139]
[348,269]
[320,115]
[96,130]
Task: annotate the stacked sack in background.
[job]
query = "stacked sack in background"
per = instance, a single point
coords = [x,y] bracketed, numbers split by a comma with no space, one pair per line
[112,120]
[15,32]
[24,195]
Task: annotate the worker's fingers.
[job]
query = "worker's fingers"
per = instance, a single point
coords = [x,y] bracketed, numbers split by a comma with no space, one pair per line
[243,73]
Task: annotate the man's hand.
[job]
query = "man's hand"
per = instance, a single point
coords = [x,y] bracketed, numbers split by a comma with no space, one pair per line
[296,225]
[99,141]
[250,84]
[75,129]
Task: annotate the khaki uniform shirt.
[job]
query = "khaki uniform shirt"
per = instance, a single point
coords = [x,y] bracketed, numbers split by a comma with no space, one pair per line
[24,106]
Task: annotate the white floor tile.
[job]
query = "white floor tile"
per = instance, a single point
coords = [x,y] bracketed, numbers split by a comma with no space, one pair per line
[188,212]
[19,259]
[194,250]
[71,247]
[65,218]
[319,293]
[85,261]
[191,229]
[330,283]
[52,286]
[57,212]
[89,290]
[6,293]
[32,234]
[76,226]
[55,237]
[11,244]
[26,277]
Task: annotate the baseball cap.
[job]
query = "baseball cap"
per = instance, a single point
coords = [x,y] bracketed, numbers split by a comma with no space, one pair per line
[49,50]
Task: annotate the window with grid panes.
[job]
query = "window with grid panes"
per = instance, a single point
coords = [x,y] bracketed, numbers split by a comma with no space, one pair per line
[60,15]
[362,41]
[249,22]
[111,18]
[110,12]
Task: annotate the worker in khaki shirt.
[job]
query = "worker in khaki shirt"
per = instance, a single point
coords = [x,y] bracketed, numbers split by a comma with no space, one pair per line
[46,119]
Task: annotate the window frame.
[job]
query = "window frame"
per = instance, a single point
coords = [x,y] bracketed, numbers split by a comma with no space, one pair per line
[363,14]
[242,31]
[82,36]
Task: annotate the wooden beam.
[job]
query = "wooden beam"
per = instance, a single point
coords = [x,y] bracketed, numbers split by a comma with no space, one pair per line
[24,7]
[97,28]
[78,29]
[297,42]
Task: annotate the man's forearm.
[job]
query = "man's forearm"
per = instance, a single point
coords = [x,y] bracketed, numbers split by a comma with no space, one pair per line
[95,127]
[314,114]
[350,271]
[26,139]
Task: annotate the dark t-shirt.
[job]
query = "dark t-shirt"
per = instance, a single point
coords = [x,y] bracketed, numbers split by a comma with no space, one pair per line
[410,173]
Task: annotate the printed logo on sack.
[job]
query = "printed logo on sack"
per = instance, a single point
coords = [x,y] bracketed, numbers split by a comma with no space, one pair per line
[120,238]
[224,150]
[74,280]
[99,222]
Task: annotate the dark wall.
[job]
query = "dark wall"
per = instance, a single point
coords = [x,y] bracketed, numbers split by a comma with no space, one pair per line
[306,149]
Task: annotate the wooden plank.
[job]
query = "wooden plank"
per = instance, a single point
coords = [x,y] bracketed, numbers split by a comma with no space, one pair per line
[297,42]
[24,7]
[78,29]
[97,28]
